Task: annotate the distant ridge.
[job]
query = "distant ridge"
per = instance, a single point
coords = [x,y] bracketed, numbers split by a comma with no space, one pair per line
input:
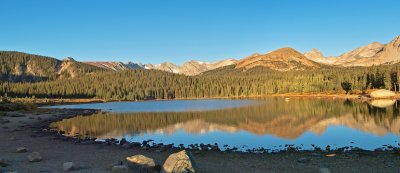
[24,67]
[189,68]
[369,55]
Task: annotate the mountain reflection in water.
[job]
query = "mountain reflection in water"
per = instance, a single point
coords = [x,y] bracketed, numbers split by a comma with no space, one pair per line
[275,117]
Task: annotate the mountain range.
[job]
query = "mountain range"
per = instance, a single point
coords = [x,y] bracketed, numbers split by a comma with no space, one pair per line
[283,59]
[189,68]
[13,65]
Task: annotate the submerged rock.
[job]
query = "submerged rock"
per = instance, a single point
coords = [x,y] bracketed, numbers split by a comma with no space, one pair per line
[34,157]
[141,163]
[179,163]
[382,93]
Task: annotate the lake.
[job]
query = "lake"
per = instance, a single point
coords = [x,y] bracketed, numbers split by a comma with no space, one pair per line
[270,123]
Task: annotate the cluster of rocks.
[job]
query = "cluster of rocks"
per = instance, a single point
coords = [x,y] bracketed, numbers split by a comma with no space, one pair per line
[181,162]
[34,157]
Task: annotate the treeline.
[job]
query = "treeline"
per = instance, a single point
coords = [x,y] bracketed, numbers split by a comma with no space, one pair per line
[225,82]
[23,67]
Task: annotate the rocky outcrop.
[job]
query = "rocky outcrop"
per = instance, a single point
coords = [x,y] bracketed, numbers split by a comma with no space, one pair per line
[382,93]
[391,52]
[363,56]
[181,162]
[284,59]
[317,56]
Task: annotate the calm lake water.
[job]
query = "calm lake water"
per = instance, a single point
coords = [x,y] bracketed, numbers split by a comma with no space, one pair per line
[161,105]
[246,124]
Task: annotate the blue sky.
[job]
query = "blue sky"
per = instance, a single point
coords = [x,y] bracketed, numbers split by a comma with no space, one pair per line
[153,31]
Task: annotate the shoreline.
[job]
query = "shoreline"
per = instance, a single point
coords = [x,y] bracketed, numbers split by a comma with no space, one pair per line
[58,101]
[30,129]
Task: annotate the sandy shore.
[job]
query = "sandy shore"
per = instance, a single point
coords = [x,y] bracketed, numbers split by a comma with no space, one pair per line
[24,129]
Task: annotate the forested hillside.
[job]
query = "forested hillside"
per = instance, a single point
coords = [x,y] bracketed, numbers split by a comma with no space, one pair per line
[223,82]
[20,67]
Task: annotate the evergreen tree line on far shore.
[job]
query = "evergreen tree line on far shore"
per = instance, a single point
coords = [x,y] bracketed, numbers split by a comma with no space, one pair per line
[142,84]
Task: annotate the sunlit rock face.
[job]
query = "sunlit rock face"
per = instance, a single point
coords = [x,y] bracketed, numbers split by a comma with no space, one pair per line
[317,56]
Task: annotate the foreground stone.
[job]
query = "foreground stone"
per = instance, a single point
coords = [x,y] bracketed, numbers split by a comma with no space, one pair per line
[34,157]
[21,150]
[179,163]
[324,170]
[3,163]
[382,93]
[119,169]
[141,163]
[69,166]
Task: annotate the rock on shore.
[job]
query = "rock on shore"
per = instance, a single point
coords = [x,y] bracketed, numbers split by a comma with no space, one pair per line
[382,93]
[34,157]
[179,163]
[141,163]
[69,166]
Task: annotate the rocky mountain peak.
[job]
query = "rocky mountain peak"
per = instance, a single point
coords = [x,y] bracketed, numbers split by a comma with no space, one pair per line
[283,59]
[286,52]
[396,42]
[68,59]
[314,54]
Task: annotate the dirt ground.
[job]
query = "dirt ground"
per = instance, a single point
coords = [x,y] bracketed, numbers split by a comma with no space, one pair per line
[24,129]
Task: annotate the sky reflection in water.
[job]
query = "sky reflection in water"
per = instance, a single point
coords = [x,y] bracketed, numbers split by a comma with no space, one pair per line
[268,123]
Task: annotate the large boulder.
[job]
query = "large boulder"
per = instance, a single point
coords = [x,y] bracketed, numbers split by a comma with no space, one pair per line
[181,162]
[141,164]
[382,93]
